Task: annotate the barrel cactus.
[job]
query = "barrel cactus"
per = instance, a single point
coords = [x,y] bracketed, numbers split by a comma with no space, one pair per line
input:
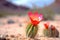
[46,31]
[32,28]
[54,31]
[50,31]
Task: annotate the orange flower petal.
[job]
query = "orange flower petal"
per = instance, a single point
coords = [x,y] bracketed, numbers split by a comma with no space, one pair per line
[46,25]
[35,18]
[36,14]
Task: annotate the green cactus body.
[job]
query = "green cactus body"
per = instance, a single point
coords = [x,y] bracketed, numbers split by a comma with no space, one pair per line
[31,31]
[51,33]
[54,33]
[47,32]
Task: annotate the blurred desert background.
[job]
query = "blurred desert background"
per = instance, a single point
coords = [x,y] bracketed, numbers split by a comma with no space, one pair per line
[14,19]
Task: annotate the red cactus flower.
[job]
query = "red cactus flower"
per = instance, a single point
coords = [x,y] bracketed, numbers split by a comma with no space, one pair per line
[46,25]
[35,18]
[52,27]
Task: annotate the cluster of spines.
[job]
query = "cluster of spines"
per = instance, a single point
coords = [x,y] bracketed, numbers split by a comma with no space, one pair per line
[31,31]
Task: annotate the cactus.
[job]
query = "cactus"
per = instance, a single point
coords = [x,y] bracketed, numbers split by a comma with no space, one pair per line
[50,31]
[47,33]
[32,28]
[54,31]
[31,31]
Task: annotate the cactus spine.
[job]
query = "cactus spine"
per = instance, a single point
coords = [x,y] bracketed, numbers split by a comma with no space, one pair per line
[50,32]
[31,31]
[47,32]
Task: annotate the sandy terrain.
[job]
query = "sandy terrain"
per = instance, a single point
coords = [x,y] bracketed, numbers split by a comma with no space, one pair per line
[18,29]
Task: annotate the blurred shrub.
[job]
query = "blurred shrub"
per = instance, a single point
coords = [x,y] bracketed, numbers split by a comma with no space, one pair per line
[47,12]
[2,14]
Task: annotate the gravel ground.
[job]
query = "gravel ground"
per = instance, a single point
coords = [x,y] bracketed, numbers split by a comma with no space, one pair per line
[16,31]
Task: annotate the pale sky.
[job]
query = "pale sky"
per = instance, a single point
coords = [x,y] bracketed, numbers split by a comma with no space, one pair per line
[39,3]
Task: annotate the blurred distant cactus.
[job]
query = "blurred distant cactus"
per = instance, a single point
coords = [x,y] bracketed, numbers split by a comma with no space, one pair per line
[47,12]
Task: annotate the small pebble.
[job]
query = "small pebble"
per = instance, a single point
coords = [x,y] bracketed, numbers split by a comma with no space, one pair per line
[7,36]
[20,25]
[12,36]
